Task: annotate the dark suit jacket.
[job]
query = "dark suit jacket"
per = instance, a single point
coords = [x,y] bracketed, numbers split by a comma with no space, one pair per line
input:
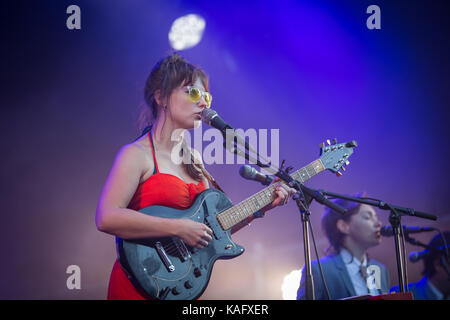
[420,290]
[337,279]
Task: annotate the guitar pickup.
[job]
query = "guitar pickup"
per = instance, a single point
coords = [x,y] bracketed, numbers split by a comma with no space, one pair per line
[181,248]
[208,223]
[164,257]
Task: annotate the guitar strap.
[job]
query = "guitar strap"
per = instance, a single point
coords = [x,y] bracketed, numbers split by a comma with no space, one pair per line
[205,172]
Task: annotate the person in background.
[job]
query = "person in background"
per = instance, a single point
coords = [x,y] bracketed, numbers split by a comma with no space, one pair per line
[347,269]
[435,285]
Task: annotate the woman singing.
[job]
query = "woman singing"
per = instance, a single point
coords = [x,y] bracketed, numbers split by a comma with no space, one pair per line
[143,173]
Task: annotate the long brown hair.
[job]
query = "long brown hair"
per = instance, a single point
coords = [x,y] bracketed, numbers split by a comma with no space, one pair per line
[168,74]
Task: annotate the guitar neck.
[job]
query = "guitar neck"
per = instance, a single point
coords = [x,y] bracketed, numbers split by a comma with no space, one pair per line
[234,215]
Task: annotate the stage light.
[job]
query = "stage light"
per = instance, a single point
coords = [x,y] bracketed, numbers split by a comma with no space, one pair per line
[290,285]
[186,31]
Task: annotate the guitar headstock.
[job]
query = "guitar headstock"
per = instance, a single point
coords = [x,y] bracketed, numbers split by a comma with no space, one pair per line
[335,156]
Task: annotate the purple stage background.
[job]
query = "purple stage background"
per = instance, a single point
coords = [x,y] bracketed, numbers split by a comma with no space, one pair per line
[311,69]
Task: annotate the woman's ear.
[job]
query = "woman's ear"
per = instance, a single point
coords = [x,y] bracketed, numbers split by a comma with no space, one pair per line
[343,226]
[158,98]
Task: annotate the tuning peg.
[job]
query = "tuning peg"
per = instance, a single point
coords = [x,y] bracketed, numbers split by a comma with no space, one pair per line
[338,174]
[334,141]
[347,163]
[343,168]
[351,144]
[322,145]
[328,142]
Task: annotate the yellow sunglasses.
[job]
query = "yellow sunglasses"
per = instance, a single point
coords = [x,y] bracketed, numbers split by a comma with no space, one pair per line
[195,94]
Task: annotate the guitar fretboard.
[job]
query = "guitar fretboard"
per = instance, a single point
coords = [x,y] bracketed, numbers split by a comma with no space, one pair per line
[232,216]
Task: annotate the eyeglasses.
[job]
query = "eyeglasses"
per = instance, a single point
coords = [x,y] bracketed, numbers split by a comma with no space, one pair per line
[195,94]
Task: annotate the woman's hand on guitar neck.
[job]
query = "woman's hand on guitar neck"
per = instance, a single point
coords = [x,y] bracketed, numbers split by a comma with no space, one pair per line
[195,234]
[283,193]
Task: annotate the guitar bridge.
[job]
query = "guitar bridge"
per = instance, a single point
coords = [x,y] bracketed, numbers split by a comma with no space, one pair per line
[181,248]
[164,257]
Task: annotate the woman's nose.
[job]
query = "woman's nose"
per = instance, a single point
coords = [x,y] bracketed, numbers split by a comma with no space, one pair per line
[202,103]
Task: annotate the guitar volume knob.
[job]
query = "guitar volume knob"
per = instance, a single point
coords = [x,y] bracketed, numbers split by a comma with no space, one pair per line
[188,284]
[197,272]
[175,291]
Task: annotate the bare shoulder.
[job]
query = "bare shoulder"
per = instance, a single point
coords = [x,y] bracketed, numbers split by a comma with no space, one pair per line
[123,178]
[132,157]
[136,155]
[132,152]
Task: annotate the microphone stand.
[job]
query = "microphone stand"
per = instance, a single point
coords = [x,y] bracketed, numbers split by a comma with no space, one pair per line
[399,240]
[416,242]
[305,213]
[303,199]
[303,205]
[395,220]
[444,261]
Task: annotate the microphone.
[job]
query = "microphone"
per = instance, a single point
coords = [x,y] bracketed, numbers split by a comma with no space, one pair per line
[387,231]
[250,173]
[416,256]
[211,117]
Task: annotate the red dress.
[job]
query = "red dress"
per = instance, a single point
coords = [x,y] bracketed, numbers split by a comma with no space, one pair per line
[160,189]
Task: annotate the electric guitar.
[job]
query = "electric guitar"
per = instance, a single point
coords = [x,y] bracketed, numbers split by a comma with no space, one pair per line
[168,269]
